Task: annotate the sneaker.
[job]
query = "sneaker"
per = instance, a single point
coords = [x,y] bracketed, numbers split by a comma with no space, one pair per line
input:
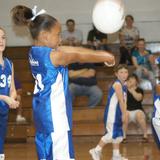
[96,155]
[20,119]
[2,157]
[119,158]
[124,140]
[145,140]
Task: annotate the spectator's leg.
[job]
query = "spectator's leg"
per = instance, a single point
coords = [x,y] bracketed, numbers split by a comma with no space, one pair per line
[95,95]
[123,55]
[19,110]
[140,118]
[20,118]
[129,58]
[75,90]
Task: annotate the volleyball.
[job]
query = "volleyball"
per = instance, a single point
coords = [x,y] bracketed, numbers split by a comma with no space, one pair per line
[108,16]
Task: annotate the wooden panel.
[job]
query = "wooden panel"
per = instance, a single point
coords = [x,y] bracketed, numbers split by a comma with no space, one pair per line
[27,88]
[79,129]
[21,65]
[82,101]
[17,131]
[24,76]
[26,112]
[27,101]
[30,131]
[88,114]
[105,85]
[17,52]
[85,129]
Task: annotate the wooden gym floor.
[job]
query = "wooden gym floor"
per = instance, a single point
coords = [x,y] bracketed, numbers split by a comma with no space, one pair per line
[132,150]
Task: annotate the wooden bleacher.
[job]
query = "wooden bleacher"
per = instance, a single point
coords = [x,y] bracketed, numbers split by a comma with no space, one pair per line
[86,121]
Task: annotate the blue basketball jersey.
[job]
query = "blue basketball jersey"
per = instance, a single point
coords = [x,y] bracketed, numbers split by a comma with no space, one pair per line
[5,83]
[156,120]
[156,111]
[113,113]
[158,60]
[52,107]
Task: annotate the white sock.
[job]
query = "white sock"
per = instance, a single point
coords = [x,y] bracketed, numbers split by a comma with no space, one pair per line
[98,148]
[116,152]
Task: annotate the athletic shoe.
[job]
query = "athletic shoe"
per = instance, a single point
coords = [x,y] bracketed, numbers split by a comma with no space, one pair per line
[2,156]
[119,158]
[20,119]
[96,155]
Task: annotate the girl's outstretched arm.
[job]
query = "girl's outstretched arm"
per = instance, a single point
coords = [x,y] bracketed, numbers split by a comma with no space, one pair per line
[66,55]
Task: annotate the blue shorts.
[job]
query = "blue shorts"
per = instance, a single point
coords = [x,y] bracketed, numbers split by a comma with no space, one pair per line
[54,146]
[156,130]
[3,130]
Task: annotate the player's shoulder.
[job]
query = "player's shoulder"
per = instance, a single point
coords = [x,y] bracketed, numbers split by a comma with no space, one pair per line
[117,84]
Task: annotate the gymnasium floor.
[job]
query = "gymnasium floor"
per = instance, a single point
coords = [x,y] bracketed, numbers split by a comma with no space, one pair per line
[132,150]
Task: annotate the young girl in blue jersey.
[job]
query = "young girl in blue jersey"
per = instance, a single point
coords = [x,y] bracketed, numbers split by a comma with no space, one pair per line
[156,116]
[114,116]
[156,111]
[52,108]
[7,91]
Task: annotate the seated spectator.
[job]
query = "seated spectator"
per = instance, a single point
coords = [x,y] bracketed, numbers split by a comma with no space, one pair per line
[19,118]
[142,61]
[128,37]
[71,36]
[135,112]
[83,83]
[97,40]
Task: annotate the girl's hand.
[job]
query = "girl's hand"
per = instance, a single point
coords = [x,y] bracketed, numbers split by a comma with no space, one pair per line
[131,89]
[12,102]
[111,61]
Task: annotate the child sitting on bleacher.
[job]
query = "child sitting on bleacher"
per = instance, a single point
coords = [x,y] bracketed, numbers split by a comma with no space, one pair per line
[135,112]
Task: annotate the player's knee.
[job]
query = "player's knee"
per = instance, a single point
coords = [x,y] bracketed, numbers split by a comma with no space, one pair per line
[117,140]
[107,138]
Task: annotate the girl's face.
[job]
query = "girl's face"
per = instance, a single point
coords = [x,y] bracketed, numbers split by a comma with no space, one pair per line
[132,82]
[141,45]
[2,40]
[53,36]
[122,74]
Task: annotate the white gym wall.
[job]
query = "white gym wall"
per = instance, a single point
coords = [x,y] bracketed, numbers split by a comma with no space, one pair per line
[145,12]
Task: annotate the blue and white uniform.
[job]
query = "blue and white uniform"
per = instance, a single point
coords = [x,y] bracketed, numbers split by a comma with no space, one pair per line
[156,120]
[113,117]
[52,107]
[156,115]
[158,60]
[5,84]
